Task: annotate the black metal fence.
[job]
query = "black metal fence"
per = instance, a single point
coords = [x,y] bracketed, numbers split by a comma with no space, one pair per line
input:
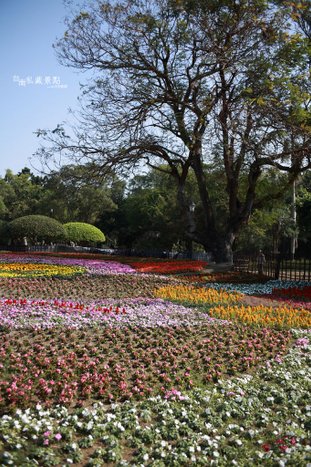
[276,267]
[147,253]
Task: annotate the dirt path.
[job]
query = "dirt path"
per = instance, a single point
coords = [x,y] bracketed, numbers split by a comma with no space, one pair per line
[250,300]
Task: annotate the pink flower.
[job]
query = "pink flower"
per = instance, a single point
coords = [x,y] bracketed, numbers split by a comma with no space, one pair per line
[302,342]
[58,436]
[174,394]
[293,441]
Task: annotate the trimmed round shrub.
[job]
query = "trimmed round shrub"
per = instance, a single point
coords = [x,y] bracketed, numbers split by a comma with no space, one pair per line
[37,229]
[83,234]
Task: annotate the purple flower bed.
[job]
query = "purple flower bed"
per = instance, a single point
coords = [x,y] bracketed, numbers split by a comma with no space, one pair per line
[92,266]
[43,314]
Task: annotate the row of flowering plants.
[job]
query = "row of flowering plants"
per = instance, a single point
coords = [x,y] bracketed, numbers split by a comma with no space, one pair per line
[116,367]
[91,266]
[168,266]
[37,270]
[275,317]
[103,362]
[295,294]
[192,295]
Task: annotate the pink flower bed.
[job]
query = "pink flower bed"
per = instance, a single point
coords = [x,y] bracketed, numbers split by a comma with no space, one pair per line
[92,266]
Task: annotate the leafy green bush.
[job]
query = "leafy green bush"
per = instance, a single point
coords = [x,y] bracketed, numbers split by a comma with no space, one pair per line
[83,234]
[37,229]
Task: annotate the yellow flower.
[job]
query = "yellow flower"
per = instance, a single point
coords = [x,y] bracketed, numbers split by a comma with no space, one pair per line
[37,269]
[197,295]
[281,317]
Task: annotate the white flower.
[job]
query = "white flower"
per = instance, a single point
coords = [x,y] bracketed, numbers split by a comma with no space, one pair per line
[110,416]
[90,425]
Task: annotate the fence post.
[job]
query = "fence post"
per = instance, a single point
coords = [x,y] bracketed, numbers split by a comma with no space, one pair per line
[277,266]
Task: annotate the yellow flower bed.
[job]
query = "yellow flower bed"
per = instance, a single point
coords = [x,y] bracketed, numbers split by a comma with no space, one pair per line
[37,269]
[282,317]
[197,295]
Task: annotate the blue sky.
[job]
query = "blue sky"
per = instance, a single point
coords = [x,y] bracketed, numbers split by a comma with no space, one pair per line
[35,90]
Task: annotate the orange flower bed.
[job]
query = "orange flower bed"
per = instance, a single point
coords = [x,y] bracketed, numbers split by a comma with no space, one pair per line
[196,295]
[281,317]
[168,267]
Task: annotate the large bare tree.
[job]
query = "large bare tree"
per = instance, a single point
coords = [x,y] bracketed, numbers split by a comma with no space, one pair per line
[178,84]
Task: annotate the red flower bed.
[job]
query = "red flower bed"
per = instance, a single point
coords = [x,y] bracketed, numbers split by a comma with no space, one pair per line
[294,292]
[168,267]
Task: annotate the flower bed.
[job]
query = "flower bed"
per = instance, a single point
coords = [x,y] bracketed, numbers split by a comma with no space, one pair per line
[60,364]
[196,295]
[83,287]
[302,293]
[244,421]
[37,270]
[259,288]
[46,314]
[167,266]
[94,370]
[234,277]
[92,266]
[280,317]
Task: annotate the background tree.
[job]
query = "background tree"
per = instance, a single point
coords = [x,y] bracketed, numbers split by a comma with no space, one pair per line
[149,214]
[178,78]
[304,215]
[74,194]
[4,233]
[20,194]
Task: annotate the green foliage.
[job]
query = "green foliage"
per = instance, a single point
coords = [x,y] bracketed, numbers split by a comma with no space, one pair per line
[19,194]
[304,212]
[149,217]
[4,233]
[76,194]
[83,234]
[36,228]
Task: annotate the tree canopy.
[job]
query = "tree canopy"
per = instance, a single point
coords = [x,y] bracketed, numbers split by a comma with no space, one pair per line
[186,83]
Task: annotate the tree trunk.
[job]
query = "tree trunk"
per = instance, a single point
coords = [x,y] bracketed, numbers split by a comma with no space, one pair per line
[222,248]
